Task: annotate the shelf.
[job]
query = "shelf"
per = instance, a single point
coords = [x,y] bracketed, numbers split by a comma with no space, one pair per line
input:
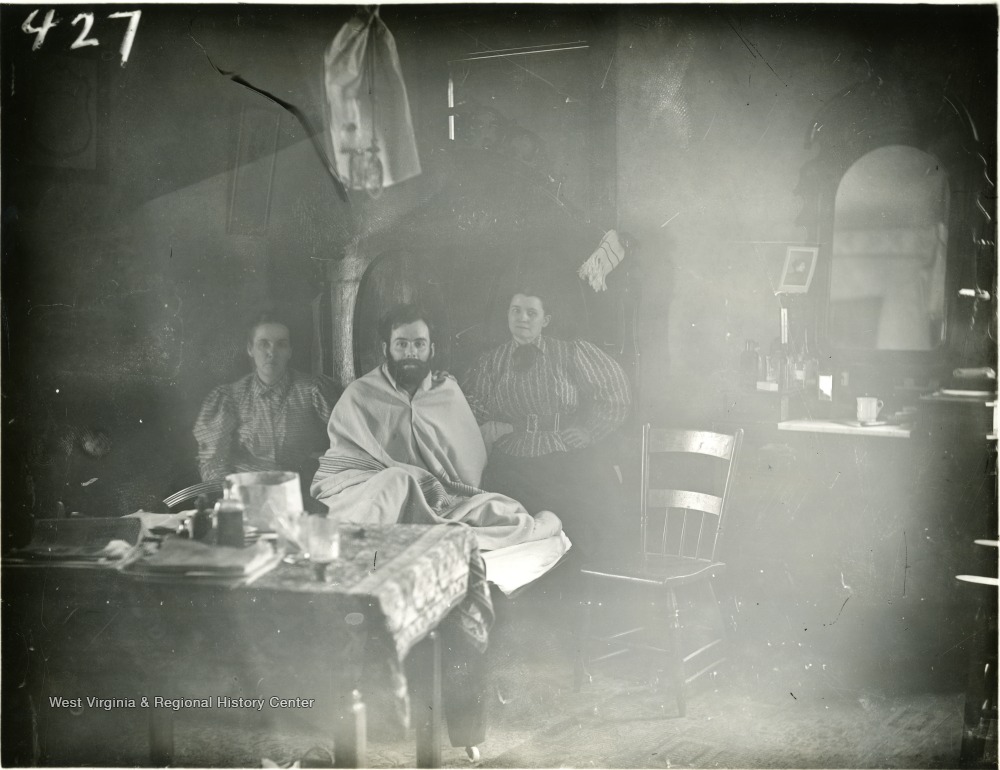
[845,427]
[977,398]
[776,390]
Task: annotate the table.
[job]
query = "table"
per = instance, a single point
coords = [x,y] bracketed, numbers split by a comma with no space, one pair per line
[286,639]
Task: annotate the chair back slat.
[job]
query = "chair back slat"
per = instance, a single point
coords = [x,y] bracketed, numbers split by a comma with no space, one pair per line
[682,522]
[702,442]
[678,498]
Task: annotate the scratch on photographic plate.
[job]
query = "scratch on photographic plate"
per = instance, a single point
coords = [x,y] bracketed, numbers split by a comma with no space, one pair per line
[754,51]
[767,118]
[610,62]
[841,610]
[710,124]
[112,620]
[906,560]
[53,304]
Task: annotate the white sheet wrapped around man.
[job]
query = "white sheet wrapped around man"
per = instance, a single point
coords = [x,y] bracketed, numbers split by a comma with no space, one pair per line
[418,460]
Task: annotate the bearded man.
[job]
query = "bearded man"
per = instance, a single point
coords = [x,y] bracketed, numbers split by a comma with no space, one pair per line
[405,447]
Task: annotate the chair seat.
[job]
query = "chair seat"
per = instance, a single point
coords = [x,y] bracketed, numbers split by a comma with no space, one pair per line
[658,571]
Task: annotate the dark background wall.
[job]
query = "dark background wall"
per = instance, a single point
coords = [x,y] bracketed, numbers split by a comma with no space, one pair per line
[715,110]
[126,285]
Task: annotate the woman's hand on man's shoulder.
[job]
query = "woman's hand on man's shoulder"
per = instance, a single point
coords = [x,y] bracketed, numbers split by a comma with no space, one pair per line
[575,437]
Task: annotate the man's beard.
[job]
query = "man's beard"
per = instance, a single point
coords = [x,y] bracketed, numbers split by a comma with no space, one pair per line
[408,371]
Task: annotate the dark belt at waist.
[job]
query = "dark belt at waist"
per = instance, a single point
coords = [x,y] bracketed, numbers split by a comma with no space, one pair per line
[538,423]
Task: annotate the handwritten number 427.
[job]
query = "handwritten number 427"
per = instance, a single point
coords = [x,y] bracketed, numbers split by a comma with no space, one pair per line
[83,39]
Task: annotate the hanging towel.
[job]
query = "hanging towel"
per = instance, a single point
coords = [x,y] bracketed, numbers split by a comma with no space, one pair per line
[364,84]
[605,258]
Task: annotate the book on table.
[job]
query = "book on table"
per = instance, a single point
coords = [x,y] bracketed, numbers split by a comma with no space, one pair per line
[78,542]
[177,558]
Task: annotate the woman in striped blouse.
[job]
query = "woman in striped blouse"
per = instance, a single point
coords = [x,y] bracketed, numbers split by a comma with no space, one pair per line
[552,402]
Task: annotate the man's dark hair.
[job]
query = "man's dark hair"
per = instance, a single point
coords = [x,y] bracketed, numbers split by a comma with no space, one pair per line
[266,317]
[400,315]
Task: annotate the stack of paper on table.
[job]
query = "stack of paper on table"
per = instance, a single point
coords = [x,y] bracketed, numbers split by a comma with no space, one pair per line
[83,542]
[178,558]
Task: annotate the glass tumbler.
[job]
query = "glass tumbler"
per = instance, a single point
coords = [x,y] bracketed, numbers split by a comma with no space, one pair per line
[322,542]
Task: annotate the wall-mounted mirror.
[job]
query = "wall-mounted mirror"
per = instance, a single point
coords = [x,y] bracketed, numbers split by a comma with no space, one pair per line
[889,252]
[900,198]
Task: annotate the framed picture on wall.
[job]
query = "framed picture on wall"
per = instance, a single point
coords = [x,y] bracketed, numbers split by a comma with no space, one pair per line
[253,172]
[797,275]
[61,98]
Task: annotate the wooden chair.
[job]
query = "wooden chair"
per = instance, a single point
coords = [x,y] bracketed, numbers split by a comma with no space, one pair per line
[679,536]
[980,722]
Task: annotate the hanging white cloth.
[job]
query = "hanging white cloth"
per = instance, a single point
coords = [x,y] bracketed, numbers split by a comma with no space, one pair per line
[605,258]
[367,112]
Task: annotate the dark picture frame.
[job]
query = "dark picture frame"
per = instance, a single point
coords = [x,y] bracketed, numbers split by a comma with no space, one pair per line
[800,266]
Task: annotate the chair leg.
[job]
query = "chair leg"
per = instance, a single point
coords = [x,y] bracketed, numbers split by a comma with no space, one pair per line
[728,621]
[583,630]
[674,647]
[726,602]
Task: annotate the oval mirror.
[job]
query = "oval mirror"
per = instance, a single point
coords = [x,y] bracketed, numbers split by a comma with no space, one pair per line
[890,246]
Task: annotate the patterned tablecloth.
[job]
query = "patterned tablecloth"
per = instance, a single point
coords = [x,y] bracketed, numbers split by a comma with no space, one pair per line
[417,575]
[420,578]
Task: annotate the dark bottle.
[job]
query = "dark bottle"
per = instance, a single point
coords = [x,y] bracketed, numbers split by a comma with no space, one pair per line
[749,366]
[785,368]
[776,363]
[812,376]
[798,365]
[824,388]
[229,520]
[811,368]
[201,522]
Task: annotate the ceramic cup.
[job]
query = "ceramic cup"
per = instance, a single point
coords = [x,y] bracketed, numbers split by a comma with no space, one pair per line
[869,408]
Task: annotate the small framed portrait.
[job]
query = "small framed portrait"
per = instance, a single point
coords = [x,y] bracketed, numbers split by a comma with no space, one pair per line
[800,264]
